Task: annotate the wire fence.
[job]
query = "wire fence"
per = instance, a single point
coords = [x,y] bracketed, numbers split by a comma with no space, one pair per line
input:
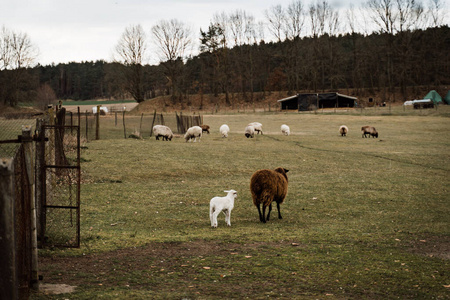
[10,129]
[122,125]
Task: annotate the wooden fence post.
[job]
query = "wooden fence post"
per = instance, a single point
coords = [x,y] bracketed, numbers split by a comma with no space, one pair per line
[153,123]
[97,123]
[27,141]
[124,128]
[40,177]
[140,125]
[9,279]
[87,125]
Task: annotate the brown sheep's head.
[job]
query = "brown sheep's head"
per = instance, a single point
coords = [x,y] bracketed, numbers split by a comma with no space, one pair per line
[281,170]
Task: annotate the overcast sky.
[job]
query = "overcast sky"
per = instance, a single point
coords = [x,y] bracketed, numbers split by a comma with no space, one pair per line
[88,30]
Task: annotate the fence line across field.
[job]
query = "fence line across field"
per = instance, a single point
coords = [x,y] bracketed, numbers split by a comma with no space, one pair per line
[118,125]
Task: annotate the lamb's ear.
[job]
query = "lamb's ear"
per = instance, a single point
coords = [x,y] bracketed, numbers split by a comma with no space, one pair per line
[226,191]
[286,170]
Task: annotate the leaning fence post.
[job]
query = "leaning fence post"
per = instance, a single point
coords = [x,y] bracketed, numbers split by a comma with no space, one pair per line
[140,126]
[153,123]
[9,279]
[29,162]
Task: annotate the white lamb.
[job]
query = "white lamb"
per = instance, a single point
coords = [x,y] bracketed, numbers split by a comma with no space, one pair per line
[193,132]
[285,129]
[257,126]
[224,129]
[225,204]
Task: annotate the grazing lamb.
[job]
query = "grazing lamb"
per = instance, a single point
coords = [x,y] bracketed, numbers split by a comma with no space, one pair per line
[162,131]
[224,204]
[257,126]
[205,128]
[224,129]
[193,132]
[371,131]
[249,131]
[343,130]
[267,186]
[285,129]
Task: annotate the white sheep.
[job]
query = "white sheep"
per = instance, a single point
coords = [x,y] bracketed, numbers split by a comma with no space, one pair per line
[162,131]
[224,129]
[193,132]
[257,126]
[285,129]
[222,204]
[249,131]
[343,130]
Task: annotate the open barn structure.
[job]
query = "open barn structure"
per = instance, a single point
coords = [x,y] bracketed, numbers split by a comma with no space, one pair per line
[312,101]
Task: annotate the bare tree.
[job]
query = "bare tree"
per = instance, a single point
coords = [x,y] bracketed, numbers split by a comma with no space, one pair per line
[275,16]
[243,32]
[295,19]
[410,15]
[323,18]
[436,12]
[131,50]
[16,50]
[173,38]
[16,54]
[383,14]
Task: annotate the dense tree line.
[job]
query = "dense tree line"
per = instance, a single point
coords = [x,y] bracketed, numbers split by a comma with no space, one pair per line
[234,59]
[351,61]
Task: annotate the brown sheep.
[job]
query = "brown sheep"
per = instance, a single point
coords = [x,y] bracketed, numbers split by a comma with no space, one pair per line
[205,128]
[267,186]
[371,131]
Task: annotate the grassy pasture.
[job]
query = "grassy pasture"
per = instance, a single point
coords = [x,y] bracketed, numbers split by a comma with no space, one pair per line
[363,218]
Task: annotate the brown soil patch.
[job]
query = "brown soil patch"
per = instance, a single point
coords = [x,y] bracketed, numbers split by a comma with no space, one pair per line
[431,246]
[98,268]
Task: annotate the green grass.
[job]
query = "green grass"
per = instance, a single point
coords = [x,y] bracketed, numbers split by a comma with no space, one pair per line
[363,218]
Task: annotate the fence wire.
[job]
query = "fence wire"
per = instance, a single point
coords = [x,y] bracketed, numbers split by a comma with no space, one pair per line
[10,129]
[120,125]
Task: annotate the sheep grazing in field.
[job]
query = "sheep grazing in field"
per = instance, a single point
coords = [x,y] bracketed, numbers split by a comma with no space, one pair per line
[257,126]
[267,186]
[343,130]
[285,129]
[162,131]
[193,133]
[371,131]
[224,129]
[205,128]
[222,204]
[249,131]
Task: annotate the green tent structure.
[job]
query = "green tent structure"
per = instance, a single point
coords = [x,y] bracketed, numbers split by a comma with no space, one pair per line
[447,98]
[434,96]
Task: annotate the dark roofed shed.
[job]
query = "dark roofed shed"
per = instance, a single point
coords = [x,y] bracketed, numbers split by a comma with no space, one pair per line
[311,101]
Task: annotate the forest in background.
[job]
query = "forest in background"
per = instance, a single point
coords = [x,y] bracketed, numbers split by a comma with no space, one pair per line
[395,63]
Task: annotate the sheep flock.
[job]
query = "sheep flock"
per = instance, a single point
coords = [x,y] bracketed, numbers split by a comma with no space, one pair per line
[267,186]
